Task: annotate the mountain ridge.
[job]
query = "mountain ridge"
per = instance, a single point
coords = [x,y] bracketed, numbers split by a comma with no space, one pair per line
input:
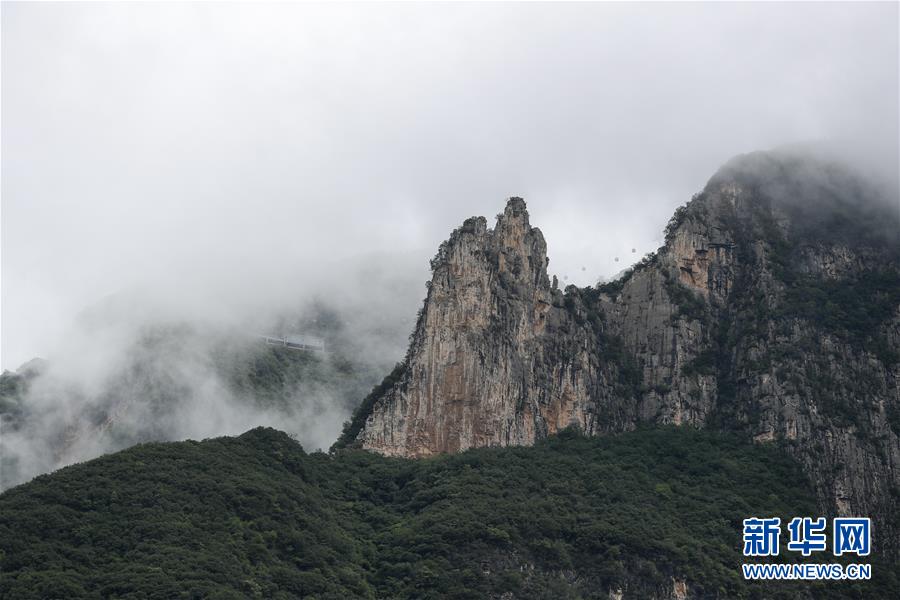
[773,309]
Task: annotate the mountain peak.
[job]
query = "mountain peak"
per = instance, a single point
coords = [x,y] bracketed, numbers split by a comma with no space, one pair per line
[515,207]
[755,299]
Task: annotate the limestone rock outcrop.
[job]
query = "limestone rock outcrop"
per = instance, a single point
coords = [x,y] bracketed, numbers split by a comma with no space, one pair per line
[496,358]
[773,310]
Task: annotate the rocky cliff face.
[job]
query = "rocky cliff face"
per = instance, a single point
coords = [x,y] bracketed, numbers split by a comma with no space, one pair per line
[496,358]
[773,308]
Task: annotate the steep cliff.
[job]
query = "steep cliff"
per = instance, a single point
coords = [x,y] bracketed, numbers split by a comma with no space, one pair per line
[773,309]
[499,356]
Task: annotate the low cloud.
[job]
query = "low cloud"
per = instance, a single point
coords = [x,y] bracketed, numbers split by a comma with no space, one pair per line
[227,166]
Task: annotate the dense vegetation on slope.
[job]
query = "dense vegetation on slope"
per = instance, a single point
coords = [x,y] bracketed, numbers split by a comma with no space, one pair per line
[256,516]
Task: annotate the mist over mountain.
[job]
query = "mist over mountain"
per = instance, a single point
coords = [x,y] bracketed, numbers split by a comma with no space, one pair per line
[139,366]
[232,157]
[772,309]
[135,369]
[261,335]
[769,318]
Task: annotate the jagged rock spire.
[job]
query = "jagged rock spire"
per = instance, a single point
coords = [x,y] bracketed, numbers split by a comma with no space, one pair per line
[470,375]
[715,329]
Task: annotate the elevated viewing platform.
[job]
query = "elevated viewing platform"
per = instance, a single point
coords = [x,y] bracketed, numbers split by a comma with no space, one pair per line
[296,342]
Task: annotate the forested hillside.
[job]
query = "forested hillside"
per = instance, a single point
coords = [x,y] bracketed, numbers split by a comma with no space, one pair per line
[651,513]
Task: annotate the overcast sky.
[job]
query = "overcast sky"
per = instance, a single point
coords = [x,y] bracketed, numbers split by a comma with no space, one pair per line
[234,157]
